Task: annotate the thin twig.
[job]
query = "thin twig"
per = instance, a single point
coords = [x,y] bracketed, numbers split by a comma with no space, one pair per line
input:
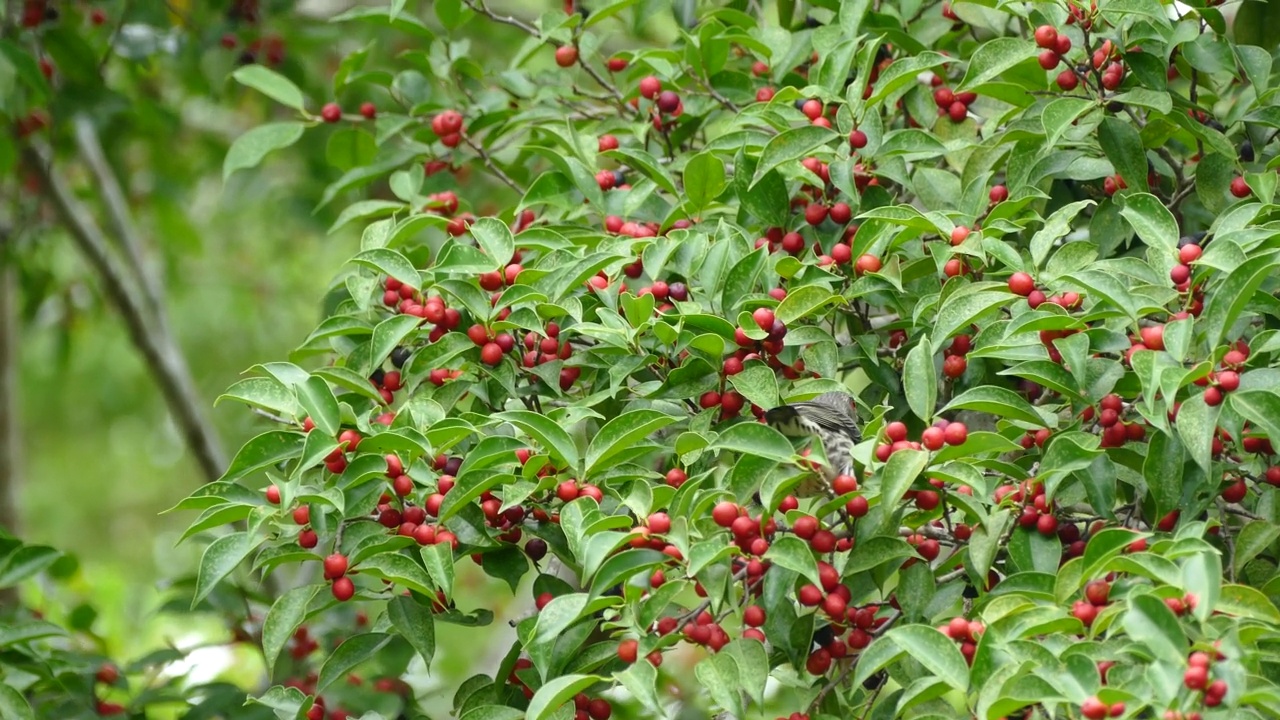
[272,416]
[493,167]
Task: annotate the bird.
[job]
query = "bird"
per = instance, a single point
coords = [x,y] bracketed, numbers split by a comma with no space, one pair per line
[832,418]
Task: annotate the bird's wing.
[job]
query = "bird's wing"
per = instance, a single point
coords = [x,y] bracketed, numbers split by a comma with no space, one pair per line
[830,414]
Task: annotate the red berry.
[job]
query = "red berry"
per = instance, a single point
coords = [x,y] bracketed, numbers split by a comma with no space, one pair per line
[999,193]
[1228,380]
[1180,274]
[857,139]
[1084,612]
[1097,592]
[954,366]
[958,111]
[108,674]
[1049,59]
[335,566]
[956,433]
[896,431]
[1047,37]
[1189,253]
[343,588]
[368,110]
[627,651]
[1212,396]
[1240,188]
[566,56]
[1235,492]
[763,318]
[1021,283]
[1094,709]
[933,438]
[331,113]
[959,234]
[867,263]
[650,87]
[273,494]
[1196,677]
[724,513]
[491,354]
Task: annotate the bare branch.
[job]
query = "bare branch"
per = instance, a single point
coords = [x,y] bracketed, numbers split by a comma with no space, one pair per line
[157,348]
[118,212]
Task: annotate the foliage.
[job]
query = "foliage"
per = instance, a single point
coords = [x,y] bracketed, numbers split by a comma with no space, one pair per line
[1049,282]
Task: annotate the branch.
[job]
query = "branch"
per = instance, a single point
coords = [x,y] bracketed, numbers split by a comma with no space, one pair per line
[493,167]
[161,354]
[118,212]
[272,416]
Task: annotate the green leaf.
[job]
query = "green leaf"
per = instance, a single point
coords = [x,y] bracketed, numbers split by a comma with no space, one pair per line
[1252,539]
[993,59]
[24,562]
[875,552]
[621,433]
[645,163]
[267,449]
[803,301]
[284,617]
[718,674]
[998,401]
[641,681]
[704,180]
[1058,115]
[400,570]
[937,653]
[1229,299]
[556,693]
[793,553]
[415,623]
[960,310]
[1202,576]
[266,393]
[1196,422]
[920,380]
[221,557]
[1150,622]
[353,651]
[755,439]
[496,712]
[1261,407]
[758,383]
[1055,227]
[495,239]
[13,706]
[386,336]
[1163,471]
[1244,601]
[390,262]
[318,401]
[439,562]
[899,473]
[1123,147]
[250,148]
[1151,220]
[270,83]
[790,145]
[549,434]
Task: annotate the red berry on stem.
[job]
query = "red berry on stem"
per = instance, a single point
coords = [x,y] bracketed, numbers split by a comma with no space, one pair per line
[566,56]
[331,113]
